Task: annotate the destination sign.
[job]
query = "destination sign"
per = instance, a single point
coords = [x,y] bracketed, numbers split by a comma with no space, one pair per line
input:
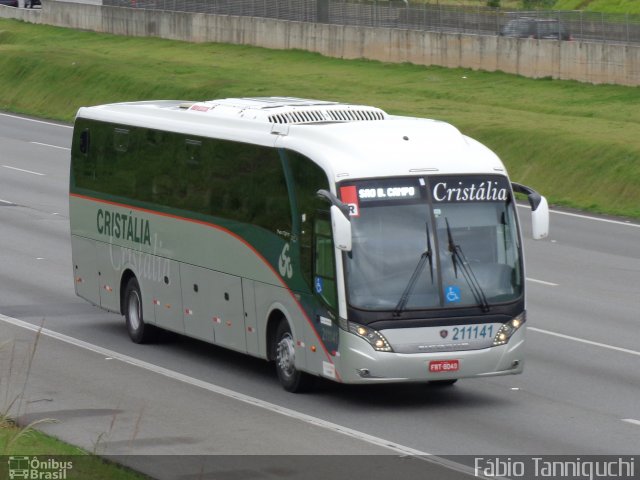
[387,193]
[444,189]
[380,191]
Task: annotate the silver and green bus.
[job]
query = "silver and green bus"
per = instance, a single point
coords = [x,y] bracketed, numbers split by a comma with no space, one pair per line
[335,240]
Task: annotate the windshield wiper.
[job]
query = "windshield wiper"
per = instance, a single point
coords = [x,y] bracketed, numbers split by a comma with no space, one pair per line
[459,259]
[426,255]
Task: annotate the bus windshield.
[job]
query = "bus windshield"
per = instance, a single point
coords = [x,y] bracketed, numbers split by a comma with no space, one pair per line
[429,243]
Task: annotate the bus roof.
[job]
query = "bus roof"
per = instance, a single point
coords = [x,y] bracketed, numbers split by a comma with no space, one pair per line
[348,141]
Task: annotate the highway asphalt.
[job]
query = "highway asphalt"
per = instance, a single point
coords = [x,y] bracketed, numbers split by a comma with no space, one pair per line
[579,394]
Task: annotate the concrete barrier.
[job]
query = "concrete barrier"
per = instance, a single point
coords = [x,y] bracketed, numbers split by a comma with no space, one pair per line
[581,61]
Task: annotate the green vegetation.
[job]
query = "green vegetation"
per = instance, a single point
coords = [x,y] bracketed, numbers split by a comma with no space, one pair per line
[28,442]
[606,6]
[577,143]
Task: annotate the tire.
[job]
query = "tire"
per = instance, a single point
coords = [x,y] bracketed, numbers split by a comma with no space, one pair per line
[139,332]
[284,353]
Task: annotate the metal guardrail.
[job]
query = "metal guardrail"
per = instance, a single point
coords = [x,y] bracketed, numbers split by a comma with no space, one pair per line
[587,26]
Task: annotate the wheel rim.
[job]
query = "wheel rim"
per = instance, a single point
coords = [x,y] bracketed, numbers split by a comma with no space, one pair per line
[286,355]
[134,311]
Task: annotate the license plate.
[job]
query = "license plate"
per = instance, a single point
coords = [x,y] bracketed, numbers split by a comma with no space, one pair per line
[442,366]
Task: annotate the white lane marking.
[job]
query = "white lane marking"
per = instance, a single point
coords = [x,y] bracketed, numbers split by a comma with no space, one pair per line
[632,421]
[401,449]
[7,202]
[49,145]
[256,402]
[589,217]
[550,284]
[585,341]
[34,120]
[23,170]
[605,220]
[214,388]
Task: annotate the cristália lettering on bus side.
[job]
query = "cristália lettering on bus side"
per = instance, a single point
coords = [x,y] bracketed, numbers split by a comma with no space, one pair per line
[123,226]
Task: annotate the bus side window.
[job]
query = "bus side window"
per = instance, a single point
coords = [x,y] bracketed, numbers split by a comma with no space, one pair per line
[193,152]
[191,189]
[85,141]
[308,178]
[120,140]
[87,161]
[324,267]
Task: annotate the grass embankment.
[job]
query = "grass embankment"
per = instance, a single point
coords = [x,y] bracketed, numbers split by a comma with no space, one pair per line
[605,6]
[579,144]
[30,443]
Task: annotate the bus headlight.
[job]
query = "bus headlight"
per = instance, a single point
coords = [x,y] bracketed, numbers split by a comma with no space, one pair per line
[375,338]
[508,329]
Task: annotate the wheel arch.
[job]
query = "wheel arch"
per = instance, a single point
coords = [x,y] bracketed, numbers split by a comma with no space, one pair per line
[124,280]
[276,315]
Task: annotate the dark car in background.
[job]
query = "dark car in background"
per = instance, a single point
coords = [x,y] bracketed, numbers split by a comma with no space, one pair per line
[540,28]
[31,3]
[9,3]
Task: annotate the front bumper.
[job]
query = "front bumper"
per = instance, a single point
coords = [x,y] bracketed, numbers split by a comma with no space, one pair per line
[360,363]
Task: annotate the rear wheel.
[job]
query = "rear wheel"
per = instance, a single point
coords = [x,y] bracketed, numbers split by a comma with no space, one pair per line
[284,349]
[139,331]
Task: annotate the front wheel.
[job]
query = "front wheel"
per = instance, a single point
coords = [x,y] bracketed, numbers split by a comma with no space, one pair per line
[284,347]
[139,331]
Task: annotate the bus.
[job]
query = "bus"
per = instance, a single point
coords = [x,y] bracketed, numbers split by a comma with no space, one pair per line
[334,240]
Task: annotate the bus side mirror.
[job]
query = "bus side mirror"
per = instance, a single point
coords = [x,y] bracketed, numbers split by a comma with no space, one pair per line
[341,227]
[540,220]
[340,223]
[539,211]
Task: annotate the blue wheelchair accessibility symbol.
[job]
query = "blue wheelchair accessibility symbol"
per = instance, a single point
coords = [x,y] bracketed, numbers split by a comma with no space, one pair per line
[452,294]
[319,285]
